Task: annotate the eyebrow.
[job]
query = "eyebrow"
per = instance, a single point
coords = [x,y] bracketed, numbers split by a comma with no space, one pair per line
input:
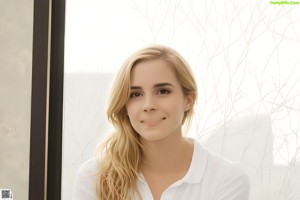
[155,86]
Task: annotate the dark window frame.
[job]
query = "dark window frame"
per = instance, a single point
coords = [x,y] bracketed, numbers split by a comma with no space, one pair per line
[47,100]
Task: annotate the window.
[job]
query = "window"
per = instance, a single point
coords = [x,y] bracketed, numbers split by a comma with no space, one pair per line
[244,56]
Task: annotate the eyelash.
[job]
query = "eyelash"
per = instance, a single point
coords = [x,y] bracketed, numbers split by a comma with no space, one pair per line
[165,91]
[159,92]
[133,95]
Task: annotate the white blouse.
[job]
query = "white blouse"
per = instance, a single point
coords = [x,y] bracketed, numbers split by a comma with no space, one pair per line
[210,177]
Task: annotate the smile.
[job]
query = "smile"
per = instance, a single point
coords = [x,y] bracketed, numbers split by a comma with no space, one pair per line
[152,122]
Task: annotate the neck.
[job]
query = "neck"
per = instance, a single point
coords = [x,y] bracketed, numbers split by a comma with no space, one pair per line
[171,153]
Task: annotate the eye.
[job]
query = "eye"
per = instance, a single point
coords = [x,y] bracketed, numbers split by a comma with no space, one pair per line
[135,95]
[163,91]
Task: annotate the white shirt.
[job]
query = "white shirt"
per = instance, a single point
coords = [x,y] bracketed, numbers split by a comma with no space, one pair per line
[210,177]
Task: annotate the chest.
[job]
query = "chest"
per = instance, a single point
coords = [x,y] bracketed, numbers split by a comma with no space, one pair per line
[158,183]
[175,191]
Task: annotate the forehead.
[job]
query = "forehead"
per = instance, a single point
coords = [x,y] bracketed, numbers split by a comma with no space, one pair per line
[152,72]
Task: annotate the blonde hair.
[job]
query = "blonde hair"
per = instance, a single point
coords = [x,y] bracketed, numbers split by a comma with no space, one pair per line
[122,152]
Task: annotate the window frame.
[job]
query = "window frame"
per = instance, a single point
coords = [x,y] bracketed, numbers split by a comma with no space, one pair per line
[47,100]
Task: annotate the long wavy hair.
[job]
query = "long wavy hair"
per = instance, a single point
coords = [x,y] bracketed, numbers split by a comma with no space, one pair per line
[121,154]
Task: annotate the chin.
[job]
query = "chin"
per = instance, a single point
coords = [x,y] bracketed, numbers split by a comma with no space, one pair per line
[153,136]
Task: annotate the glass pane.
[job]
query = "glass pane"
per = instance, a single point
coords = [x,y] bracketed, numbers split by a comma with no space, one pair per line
[16,19]
[244,56]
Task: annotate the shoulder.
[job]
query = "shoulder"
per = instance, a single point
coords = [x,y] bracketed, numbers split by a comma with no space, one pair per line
[230,177]
[234,184]
[86,180]
[89,168]
[225,167]
[219,163]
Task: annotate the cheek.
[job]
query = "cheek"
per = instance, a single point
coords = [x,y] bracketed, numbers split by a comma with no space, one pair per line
[176,108]
[175,104]
[132,110]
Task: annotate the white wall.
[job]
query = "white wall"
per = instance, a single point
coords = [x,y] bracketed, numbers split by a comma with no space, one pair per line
[16,24]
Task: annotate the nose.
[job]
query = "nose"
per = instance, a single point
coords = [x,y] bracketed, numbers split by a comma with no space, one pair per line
[149,104]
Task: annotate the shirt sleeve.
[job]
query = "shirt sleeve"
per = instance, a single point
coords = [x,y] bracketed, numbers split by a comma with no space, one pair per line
[235,185]
[86,181]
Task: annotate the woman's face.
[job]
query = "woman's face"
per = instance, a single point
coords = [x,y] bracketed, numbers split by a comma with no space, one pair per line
[157,104]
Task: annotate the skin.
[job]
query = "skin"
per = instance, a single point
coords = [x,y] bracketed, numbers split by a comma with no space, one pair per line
[156,108]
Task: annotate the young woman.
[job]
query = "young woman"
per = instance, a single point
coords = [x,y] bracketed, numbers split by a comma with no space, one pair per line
[148,156]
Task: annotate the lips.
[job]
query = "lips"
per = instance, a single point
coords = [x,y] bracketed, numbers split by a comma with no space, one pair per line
[152,122]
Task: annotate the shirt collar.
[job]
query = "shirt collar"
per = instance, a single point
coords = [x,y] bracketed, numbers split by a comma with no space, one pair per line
[196,169]
[198,165]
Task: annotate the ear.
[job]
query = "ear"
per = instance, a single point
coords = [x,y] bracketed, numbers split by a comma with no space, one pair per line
[189,101]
